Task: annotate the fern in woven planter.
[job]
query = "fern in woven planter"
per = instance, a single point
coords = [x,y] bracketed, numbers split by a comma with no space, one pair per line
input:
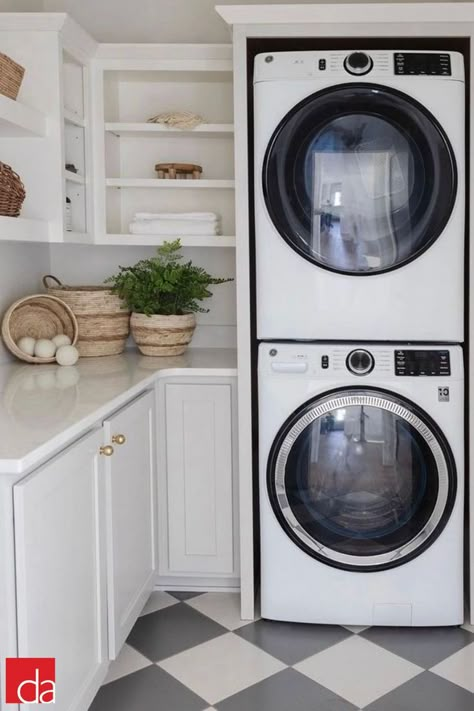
[163,293]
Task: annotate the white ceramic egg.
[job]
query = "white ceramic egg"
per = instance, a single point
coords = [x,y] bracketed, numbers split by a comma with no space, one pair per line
[67,355]
[44,348]
[27,345]
[61,340]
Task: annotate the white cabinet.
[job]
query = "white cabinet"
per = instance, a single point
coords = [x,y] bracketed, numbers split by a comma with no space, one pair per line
[130,505]
[60,566]
[197,506]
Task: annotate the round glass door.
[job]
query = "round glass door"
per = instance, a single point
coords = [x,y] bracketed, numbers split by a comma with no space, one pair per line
[361,479]
[359,179]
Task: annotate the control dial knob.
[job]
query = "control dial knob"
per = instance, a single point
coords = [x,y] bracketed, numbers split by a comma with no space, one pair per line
[358,63]
[360,362]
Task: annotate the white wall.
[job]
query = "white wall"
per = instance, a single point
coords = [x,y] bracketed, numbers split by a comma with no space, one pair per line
[156,20]
[21,269]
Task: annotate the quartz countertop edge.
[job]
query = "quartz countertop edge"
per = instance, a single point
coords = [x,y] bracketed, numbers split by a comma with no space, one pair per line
[44,408]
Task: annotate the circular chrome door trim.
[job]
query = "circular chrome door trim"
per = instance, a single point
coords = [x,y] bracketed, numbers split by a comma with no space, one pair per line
[390,403]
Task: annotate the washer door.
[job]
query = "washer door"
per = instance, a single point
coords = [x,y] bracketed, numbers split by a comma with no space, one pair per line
[361,479]
[359,179]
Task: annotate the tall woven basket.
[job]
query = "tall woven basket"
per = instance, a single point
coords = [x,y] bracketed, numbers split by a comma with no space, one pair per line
[103,323]
[12,192]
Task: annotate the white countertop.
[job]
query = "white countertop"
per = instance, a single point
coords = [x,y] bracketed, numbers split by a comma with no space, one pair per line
[43,407]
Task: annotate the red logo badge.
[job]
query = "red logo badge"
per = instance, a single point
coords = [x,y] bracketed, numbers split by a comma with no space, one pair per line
[30,681]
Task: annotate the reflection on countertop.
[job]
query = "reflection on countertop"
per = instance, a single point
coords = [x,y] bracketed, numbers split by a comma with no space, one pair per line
[43,406]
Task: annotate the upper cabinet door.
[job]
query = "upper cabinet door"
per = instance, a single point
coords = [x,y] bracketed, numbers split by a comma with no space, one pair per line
[130,503]
[60,570]
[200,508]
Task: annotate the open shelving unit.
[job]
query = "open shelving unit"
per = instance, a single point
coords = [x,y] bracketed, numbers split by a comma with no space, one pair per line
[132,88]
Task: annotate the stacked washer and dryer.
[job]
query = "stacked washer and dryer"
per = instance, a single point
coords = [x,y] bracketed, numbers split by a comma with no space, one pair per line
[359,233]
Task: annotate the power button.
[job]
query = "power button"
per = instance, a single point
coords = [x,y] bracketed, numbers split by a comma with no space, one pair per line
[325,362]
[322,65]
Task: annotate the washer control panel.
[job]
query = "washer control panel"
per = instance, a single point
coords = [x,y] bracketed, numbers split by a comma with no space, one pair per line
[422,63]
[422,362]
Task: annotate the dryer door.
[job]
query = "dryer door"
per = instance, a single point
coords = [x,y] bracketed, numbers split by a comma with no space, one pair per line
[361,479]
[359,179]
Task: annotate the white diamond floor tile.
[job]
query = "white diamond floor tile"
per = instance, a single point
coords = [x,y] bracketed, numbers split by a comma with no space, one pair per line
[358,670]
[221,667]
[356,629]
[128,661]
[158,601]
[223,608]
[458,668]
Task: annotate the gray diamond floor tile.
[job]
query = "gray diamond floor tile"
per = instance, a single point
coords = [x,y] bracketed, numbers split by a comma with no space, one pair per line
[167,632]
[292,642]
[286,691]
[183,595]
[147,690]
[426,692]
[425,646]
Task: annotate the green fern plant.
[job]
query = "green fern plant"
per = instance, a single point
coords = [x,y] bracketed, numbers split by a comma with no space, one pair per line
[164,284]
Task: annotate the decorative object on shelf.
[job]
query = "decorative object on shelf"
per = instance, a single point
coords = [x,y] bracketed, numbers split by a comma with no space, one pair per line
[163,295]
[38,317]
[172,171]
[68,215]
[104,323]
[175,223]
[178,119]
[11,76]
[12,192]
[71,168]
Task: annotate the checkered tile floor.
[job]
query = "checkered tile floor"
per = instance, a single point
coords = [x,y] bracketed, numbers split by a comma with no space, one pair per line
[192,652]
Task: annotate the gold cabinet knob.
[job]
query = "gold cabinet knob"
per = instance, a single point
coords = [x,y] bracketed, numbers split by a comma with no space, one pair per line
[107,451]
[119,439]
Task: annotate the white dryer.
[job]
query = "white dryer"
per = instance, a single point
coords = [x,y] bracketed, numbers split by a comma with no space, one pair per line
[361,484]
[359,195]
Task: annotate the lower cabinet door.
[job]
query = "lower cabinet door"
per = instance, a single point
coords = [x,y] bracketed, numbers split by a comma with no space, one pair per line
[199,481]
[61,597]
[130,503]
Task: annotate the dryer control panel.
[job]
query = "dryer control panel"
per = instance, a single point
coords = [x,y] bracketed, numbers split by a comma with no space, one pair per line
[422,362]
[422,63]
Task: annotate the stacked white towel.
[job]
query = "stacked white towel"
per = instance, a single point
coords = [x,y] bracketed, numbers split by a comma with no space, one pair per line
[175,223]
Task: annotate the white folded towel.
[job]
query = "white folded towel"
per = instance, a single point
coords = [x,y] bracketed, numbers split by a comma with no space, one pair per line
[168,227]
[187,216]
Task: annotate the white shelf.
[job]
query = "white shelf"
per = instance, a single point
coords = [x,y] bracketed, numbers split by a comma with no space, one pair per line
[156,240]
[148,130]
[78,237]
[21,229]
[170,184]
[74,177]
[20,121]
[73,118]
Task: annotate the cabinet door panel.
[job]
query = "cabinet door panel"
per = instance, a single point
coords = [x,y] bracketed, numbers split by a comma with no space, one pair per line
[130,516]
[59,570]
[199,478]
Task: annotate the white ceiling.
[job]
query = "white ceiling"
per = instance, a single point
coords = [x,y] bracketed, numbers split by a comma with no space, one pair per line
[146,20]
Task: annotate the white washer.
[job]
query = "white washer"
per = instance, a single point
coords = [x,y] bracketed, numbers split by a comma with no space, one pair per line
[359,195]
[361,483]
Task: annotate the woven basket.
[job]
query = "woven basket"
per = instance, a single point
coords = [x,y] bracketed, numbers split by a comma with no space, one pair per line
[103,323]
[12,192]
[38,316]
[11,76]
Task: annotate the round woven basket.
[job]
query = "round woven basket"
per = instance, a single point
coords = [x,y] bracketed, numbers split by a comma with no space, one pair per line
[159,335]
[12,192]
[38,316]
[103,323]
